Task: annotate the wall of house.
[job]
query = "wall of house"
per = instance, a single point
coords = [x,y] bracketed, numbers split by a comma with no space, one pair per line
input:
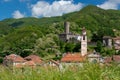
[17,63]
[66,64]
[94,60]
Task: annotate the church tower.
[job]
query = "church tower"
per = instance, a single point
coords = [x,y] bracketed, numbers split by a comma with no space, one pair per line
[83,42]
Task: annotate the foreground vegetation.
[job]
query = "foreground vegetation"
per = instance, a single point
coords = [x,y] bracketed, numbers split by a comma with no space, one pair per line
[87,72]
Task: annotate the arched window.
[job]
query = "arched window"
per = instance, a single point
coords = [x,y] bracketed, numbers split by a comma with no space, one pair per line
[83,37]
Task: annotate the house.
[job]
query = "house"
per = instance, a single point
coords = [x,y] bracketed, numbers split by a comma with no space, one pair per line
[36,59]
[54,63]
[29,64]
[108,60]
[57,64]
[116,58]
[13,60]
[113,59]
[94,57]
[116,43]
[69,59]
[107,41]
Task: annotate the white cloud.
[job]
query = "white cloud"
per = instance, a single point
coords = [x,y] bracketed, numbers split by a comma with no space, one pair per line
[110,4]
[16,14]
[57,8]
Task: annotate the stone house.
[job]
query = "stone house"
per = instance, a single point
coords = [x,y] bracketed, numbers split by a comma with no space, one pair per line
[36,59]
[94,58]
[116,43]
[13,60]
[116,58]
[54,63]
[107,41]
[29,64]
[112,59]
[70,59]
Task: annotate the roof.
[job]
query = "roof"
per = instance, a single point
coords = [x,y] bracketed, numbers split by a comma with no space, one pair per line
[76,57]
[14,58]
[36,59]
[108,59]
[116,58]
[116,38]
[19,66]
[29,63]
[94,55]
[55,62]
[104,37]
[117,47]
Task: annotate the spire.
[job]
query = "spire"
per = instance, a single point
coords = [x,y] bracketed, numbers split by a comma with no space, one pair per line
[83,31]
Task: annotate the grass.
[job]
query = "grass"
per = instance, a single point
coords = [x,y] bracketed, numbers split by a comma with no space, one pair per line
[87,72]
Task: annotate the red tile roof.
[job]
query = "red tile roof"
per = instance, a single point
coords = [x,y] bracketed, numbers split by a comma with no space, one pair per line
[108,59]
[76,57]
[18,66]
[55,62]
[116,38]
[36,59]
[14,58]
[116,58]
[117,47]
[29,63]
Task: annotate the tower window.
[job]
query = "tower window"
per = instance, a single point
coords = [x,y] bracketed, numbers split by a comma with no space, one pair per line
[83,37]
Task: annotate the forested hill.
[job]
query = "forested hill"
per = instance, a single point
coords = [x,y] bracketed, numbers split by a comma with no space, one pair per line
[88,16]
[39,35]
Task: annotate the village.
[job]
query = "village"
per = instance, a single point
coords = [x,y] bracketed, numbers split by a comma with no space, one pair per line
[69,58]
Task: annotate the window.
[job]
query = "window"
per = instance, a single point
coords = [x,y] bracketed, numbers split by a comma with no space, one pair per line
[84,37]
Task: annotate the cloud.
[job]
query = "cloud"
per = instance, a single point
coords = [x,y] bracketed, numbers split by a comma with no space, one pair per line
[110,4]
[16,14]
[6,0]
[57,8]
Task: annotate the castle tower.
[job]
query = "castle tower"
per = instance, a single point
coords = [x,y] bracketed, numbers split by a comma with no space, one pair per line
[83,42]
[66,25]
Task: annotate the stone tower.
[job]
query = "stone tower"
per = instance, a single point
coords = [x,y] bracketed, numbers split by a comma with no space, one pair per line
[67,26]
[83,42]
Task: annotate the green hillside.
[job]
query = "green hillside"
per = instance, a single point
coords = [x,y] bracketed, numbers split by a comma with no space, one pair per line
[40,35]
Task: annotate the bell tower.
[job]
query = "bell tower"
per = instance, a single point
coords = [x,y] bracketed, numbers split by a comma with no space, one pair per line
[83,42]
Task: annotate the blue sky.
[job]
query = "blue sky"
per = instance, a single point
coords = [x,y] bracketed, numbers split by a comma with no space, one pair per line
[48,8]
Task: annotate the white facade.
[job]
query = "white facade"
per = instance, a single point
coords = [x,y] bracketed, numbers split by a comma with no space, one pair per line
[83,45]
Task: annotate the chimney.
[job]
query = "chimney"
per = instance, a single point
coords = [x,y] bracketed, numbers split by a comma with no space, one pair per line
[66,25]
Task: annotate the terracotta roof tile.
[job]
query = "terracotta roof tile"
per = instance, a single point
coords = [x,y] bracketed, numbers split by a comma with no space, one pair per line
[116,58]
[29,63]
[104,37]
[116,38]
[73,58]
[15,58]
[55,62]
[36,59]
[19,65]
[108,59]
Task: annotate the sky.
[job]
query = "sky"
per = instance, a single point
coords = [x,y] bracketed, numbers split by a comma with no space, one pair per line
[49,8]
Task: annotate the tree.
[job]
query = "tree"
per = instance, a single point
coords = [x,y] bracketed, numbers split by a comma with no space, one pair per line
[99,46]
[118,53]
[69,47]
[77,47]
